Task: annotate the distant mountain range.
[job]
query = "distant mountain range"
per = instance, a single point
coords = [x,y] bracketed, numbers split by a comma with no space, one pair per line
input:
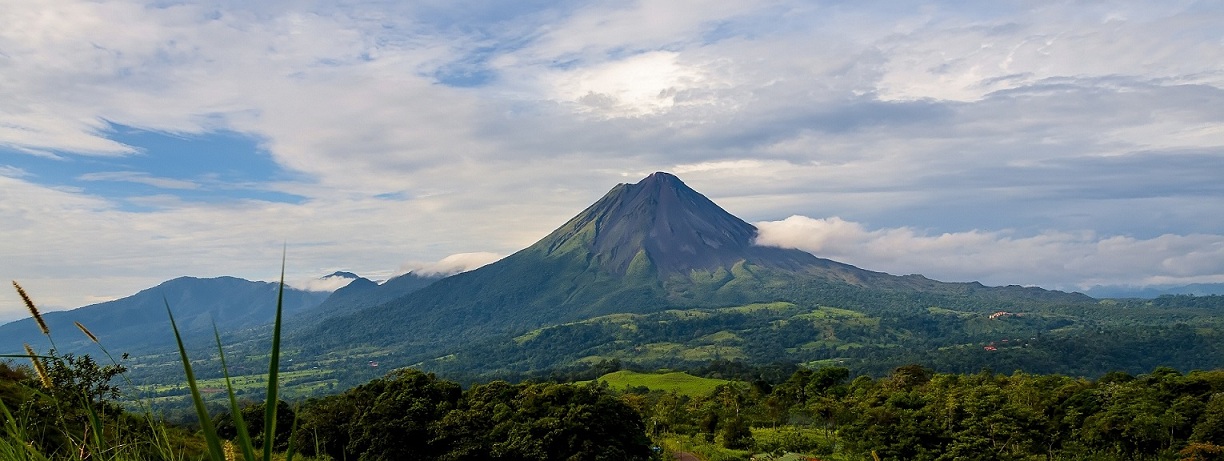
[1122,291]
[140,320]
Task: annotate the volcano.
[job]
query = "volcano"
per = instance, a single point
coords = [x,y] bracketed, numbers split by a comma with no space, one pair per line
[673,226]
[641,248]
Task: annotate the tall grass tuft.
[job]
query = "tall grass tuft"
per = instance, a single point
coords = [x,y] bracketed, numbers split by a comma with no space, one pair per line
[216,453]
[216,446]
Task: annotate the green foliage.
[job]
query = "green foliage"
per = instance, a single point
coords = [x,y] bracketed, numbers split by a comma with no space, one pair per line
[872,338]
[736,435]
[1210,425]
[916,414]
[413,415]
[80,377]
[74,414]
[791,439]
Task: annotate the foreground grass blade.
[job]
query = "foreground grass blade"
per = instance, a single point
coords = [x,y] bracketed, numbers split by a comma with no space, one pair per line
[210,433]
[244,436]
[292,448]
[274,371]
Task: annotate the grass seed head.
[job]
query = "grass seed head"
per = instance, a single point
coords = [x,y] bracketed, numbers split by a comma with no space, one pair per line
[39,368]
[42,325]
[86,331]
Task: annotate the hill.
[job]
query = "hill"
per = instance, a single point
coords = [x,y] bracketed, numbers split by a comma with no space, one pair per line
[232,303]
[1084,341]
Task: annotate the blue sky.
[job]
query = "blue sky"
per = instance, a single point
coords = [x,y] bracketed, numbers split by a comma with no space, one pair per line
[209,168]
[1060,144]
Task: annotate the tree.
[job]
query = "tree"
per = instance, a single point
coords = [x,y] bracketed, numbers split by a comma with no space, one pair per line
[412,415]
[736,434]
[1210,426]
[80,378]
[396,424]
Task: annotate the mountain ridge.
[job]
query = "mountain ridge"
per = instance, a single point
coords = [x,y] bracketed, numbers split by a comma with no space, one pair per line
[125,323]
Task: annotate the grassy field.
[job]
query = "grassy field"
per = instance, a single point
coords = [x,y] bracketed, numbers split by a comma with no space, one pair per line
[245,382]
[680,383]
[300,383]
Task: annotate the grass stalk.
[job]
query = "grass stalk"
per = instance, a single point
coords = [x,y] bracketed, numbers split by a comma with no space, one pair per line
[274,371]
[216,453]
[214,442]
[244,436]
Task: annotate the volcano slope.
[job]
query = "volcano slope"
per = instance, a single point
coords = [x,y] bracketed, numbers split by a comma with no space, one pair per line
[643,248]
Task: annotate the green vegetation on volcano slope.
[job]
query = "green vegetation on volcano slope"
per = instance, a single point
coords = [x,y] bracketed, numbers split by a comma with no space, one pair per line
[544,285]
[1082,340]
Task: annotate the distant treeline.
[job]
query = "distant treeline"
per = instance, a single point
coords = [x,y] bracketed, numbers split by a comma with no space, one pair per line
[914,414]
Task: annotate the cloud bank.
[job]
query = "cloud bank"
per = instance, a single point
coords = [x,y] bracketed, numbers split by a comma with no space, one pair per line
[1048,259]
[453,264]
[329,283]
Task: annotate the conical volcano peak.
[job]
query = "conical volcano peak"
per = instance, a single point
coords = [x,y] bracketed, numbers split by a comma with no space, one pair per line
[661,178]
[675,228]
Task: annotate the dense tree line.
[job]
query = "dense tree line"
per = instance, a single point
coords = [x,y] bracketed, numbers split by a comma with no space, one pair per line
[413,415]
[916,414]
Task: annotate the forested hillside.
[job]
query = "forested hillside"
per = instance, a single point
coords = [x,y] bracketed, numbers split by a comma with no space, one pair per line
[914,414]
[955,335]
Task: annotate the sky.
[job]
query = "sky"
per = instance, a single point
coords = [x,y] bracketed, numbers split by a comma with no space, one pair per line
[1062,144]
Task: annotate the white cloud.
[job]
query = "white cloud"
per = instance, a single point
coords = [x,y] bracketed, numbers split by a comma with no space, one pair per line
[329,283]
[643,84]
[1046,118]
[453,264]
[1053,259]
[139,178]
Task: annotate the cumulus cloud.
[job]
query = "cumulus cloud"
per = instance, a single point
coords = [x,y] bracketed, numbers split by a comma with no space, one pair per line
[1053,259]
[453,264]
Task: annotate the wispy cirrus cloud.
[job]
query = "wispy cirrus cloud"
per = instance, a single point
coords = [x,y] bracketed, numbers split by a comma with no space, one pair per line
[139,178]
